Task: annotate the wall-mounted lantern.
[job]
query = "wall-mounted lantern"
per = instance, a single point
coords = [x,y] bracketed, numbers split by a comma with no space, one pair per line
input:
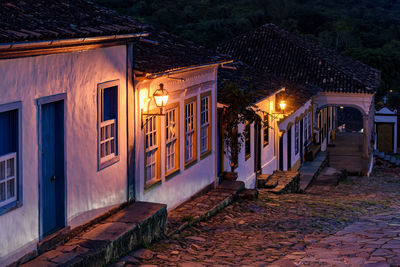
[160,97]
[282,105]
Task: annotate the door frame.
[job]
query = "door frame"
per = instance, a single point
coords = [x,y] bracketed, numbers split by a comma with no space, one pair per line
[301,140]
[39,102]
[393,130]
[257,147]
[289,149]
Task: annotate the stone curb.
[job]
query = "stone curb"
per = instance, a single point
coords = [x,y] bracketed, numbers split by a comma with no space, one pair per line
[142,223]
[227,201]
[229,188]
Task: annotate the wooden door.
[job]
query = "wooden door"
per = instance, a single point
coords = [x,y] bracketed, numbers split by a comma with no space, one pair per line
[289,149]
[385,135]
[257,147]
[52,167]
[281,153]
[301,140]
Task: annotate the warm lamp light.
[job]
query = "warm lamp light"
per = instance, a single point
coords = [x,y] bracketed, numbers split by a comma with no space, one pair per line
[341,107]
[282,105]
[160,98]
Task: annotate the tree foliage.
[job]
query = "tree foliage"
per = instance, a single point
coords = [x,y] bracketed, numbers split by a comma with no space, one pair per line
[368,30]
[240,111]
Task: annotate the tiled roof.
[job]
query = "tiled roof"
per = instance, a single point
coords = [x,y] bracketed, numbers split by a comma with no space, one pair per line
[170,53]
[31,20]
[262,85]
[301,61]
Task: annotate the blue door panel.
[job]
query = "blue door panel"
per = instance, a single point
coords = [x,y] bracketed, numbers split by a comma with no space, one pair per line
[52,122]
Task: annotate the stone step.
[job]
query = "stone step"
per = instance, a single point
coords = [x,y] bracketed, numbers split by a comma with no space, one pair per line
[288,182]
[137,224]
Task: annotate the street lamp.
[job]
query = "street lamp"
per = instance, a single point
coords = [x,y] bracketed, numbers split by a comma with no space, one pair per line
[160,97]
[282,105]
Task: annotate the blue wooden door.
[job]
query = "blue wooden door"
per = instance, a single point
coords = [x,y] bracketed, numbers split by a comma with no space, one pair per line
[52,181]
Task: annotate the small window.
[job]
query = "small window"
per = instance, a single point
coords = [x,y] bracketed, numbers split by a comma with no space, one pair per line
[205,124]
[297,138]
[8,157]
[305,129]
[247,142]
[172,141]
[190,131]
[108,124]
[152,161]
[266,129]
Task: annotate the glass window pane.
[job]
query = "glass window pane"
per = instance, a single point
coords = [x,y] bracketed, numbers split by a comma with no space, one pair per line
[102,150]
[112,130]
[102,133]
[10,188]
[112,146]
[2,191]
[10,167]
[2,170]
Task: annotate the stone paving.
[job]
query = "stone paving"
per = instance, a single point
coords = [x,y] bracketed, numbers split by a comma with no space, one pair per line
[354,223]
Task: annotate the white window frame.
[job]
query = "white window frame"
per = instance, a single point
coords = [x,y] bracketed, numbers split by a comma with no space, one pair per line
[190,131]
[108,131]
[205,127]
[151,145]
[16,201]
[172,139]
[6,177]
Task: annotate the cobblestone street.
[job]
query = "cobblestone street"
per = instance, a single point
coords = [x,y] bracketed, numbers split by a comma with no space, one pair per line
[355,223]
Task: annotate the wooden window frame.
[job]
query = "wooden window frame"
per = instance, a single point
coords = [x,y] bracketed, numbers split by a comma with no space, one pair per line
[108,160]
[169,108]
[247,139]
[193,160]
[208,125]
[157,179]
[17,200]
[266,129]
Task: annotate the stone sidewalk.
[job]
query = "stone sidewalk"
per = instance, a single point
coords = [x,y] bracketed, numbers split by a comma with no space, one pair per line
[268,230]
[373,241]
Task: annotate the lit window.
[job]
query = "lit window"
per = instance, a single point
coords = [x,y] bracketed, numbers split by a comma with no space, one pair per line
[247,142]
[108,124]
[205,134]
[190,131]
[151,147]
[172,143]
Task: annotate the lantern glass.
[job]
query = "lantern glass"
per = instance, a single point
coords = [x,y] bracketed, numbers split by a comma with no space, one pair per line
[282,105]
[161,97]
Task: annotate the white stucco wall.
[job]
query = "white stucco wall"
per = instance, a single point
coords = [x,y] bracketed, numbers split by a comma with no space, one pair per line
[191,180]
[76,74]
[283,126]
[245,167]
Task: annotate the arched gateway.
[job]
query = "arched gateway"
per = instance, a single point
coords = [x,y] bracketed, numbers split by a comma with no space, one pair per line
[363,101]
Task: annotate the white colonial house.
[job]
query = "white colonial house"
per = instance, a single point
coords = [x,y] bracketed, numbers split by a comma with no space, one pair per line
[175,152]
[317,82]
[63,118]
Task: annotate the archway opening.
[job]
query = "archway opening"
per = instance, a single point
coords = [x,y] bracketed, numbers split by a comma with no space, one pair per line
[349,119]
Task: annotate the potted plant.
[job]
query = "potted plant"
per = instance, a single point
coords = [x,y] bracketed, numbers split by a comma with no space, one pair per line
[239,109]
